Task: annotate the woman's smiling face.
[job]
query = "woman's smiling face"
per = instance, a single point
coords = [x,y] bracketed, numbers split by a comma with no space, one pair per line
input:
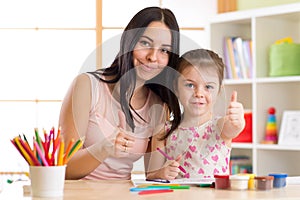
[152,51]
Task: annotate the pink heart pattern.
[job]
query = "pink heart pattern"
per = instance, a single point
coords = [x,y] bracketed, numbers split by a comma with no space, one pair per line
[192,148]
[188,155]
[174,137]
[216,171]
[205,161]
[187,164]
[200,171]
[215,158]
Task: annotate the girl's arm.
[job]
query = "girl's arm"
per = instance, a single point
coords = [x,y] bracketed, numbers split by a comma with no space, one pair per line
[74,117]
[234,122]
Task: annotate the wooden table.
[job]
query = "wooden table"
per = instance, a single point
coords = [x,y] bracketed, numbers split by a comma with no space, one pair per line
[75,190]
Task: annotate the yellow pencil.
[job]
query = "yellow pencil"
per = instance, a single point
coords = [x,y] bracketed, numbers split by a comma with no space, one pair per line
[60,159]
[23,151]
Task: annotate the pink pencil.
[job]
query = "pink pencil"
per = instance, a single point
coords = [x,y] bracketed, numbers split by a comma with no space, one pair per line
[40,153]
[169,158]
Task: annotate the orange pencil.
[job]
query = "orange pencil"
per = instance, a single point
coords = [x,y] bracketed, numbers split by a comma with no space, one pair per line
[75,148]
[57,137]
[68,150]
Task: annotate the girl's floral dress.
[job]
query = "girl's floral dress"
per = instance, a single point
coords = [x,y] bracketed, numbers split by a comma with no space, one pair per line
[204,152]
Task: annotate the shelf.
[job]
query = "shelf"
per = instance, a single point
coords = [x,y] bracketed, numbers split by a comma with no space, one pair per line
[278,79]
[237,81]
[263,26]
[277,147]
[240,145]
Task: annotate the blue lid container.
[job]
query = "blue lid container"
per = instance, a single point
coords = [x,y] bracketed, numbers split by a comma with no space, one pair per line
[279,180]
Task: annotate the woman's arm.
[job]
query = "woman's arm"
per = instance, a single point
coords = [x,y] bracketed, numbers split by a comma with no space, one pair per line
[74,117]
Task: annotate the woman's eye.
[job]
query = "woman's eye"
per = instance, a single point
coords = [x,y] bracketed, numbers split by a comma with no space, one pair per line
[144,43]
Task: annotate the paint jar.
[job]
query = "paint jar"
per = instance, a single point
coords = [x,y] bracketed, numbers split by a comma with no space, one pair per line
[222,181]
[239,182]
[264,182]
[279,180]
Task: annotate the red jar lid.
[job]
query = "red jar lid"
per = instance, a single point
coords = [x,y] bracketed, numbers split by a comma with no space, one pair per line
[221,176]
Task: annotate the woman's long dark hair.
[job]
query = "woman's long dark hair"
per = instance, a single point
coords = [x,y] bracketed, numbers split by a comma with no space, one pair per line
[123,63]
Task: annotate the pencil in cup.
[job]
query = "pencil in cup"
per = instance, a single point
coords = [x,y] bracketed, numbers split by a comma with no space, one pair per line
[38,156]
[169,158]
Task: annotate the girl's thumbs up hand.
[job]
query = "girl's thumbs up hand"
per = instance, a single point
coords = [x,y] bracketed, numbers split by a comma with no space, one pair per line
[235,113]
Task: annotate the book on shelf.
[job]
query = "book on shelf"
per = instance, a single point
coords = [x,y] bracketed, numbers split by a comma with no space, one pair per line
[237,57]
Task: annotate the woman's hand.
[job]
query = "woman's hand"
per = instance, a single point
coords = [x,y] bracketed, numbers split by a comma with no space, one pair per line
[124,141]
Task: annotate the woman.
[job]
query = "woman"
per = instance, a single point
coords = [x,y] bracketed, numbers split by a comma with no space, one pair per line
[117,110]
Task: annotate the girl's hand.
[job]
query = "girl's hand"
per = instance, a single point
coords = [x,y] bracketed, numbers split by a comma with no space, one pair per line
[235,113]
[170,169]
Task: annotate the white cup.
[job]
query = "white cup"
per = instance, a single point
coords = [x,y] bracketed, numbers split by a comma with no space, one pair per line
[47,181]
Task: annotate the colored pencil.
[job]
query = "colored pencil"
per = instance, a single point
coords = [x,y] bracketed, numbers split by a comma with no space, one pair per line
[154,191]
[14,143]
[75,148]
[30,153]
[60,159]
[38,139]
[169,158]
[47,152]
[40,153]
[170,186]
[68,150]
[21,148]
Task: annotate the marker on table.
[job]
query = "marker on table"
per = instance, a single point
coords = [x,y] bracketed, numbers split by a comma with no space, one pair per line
[145,189]
[158,180]
[169,187]
[169,158]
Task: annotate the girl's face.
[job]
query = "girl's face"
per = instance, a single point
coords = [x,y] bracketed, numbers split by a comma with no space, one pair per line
[197,90]
[151,53]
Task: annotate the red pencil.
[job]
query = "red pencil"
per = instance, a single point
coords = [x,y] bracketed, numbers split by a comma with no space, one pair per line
[154,191]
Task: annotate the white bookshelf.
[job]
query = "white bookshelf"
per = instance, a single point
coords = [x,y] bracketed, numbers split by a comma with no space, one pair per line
[263,26]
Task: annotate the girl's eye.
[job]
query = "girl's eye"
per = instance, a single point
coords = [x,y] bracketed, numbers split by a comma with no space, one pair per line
[165,51]
[209,87]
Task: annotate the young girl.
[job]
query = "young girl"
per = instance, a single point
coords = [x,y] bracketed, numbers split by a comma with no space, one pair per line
[202,142]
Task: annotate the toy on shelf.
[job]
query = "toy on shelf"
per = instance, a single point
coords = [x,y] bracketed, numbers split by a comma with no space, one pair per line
[271,128]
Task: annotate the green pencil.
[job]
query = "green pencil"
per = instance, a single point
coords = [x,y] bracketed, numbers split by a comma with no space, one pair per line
[170,186]
[74,146]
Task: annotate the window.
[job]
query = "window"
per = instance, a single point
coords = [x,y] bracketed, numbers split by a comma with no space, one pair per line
[43,47]
[45,44]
